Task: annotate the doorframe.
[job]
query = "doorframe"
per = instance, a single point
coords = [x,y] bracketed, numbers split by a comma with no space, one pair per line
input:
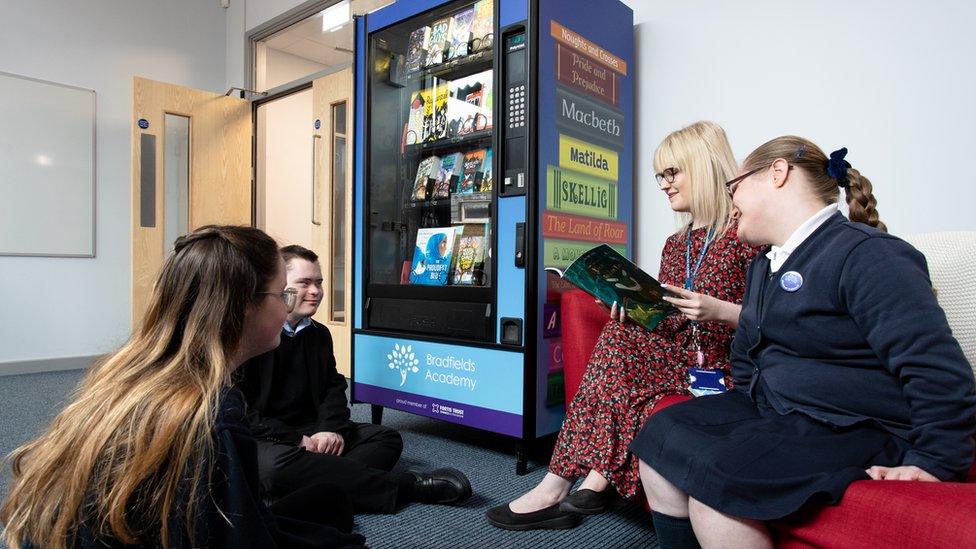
[254,141]
[277,24]
[285,90]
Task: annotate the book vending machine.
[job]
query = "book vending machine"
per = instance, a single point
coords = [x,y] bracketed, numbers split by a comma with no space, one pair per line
[494,138]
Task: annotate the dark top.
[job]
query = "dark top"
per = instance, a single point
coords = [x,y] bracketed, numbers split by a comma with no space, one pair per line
[295,389]
[231,513]
[863,339]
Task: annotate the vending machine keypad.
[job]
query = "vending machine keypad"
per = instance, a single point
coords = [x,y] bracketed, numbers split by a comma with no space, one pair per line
[516,106]
[514,135]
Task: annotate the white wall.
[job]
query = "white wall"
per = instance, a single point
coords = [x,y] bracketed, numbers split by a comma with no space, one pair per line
[893,81]
[52,307]
[276,67]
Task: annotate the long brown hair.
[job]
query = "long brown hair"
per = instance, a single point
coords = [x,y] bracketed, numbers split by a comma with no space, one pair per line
[139,426]
[802,154]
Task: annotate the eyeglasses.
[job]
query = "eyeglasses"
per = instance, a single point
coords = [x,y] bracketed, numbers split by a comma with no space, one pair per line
[667,175]
[289,296]
[732,184]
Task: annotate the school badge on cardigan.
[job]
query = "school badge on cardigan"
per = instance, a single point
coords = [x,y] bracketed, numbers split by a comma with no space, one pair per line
[791,281]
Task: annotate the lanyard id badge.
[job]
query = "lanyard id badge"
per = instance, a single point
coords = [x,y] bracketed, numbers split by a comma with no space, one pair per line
[690,275]
[706,382]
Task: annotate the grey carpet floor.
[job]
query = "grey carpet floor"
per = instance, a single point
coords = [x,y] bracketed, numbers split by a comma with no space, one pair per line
[28,402]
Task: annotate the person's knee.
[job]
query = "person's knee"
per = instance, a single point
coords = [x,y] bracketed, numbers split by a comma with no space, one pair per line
[662,495]
[274,481]
[698,511]
[391,438]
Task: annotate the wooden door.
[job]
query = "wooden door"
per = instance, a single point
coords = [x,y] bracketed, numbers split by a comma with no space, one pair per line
[219,171]
[332,203]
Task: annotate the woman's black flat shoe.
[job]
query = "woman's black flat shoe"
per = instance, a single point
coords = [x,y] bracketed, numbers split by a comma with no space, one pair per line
[550,518]
[587,502]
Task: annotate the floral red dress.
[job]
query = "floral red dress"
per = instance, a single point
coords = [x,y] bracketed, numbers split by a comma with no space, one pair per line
[632,368]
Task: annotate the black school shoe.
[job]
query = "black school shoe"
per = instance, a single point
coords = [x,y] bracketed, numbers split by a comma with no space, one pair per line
[441,486]
[550,518]
[587,502]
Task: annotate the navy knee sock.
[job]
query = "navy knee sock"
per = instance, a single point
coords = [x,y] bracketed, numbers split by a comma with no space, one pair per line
[674,532]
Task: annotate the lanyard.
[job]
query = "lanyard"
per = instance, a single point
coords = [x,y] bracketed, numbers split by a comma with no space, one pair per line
[690,284]
[689,273]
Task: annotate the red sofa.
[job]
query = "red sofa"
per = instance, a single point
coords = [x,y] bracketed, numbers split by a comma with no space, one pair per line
[871,514]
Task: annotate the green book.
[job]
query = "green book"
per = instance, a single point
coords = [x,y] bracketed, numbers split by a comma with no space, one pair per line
[610,277]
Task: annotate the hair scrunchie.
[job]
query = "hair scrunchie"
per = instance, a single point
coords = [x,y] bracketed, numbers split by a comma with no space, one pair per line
[837,167]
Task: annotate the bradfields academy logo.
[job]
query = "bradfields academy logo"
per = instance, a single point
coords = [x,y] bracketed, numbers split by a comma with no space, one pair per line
[404,360]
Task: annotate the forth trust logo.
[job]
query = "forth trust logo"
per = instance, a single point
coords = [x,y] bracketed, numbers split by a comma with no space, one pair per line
[403,359]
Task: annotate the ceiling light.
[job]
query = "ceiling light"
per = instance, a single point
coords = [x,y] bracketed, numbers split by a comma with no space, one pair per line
[335,16]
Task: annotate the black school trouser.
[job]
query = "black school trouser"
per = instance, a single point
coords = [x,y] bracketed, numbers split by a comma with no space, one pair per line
[362,471]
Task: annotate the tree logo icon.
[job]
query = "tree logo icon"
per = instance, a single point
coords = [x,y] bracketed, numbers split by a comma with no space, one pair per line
[404,360]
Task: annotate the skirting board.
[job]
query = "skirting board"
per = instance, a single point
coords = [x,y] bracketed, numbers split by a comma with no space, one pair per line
[46,365]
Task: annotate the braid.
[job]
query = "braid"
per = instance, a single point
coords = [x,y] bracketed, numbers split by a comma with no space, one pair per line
[861,202]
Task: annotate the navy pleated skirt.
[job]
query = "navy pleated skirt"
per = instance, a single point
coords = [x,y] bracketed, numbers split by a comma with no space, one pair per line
[746,460]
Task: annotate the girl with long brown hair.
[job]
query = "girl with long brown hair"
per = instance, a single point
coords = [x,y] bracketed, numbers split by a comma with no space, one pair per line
[153,448]
[844,365]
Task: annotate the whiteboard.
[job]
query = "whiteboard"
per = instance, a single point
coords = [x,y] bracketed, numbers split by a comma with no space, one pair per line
[47,168]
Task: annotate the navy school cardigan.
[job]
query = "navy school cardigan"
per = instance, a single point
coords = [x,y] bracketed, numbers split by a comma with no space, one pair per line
[862,339]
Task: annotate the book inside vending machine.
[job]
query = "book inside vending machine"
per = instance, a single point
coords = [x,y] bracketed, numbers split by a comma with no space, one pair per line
[493,139]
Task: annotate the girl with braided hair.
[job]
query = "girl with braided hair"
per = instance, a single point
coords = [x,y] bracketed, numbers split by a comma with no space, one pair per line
[844,365]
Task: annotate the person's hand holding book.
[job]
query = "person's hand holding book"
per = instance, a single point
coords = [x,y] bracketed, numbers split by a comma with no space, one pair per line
[617,313]
[701,307]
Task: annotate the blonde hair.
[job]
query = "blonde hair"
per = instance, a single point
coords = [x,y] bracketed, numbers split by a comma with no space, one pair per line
[135,443]
[702,152]
[804,155]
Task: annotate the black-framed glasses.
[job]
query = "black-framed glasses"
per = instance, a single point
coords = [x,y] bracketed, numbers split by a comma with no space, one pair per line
[667,175]
[289,296]
[732,184]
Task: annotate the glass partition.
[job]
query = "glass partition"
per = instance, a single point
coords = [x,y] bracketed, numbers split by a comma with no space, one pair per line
[337,276]
[429,168]
[176,170]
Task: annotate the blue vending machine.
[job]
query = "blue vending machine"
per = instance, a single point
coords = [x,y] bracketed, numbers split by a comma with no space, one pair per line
[494,138]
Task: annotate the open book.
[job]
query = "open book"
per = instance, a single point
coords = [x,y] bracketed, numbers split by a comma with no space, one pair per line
[608,276]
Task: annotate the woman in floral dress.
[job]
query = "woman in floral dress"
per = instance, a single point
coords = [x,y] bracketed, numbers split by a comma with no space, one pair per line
[703,264]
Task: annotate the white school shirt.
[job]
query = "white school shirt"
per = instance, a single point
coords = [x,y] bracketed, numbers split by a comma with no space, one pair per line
[292,332]
[778,254]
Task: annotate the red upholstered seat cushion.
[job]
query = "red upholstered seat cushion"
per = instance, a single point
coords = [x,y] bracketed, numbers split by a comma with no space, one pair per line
[886,513]
[582,321]
[871,514]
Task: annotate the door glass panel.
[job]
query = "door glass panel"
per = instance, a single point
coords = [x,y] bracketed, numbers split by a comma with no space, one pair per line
[337,275]
[176,196]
